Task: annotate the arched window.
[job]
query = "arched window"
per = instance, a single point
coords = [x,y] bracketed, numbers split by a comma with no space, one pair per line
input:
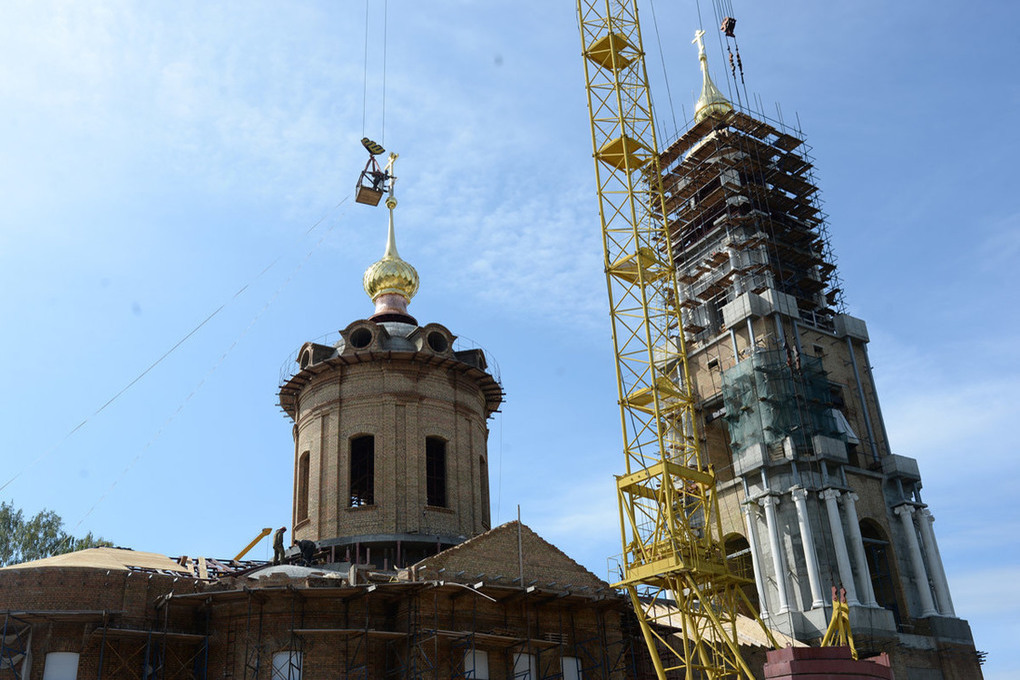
[362,471]
[876,550]
[435,472]
[302,487]
[287,665]
[738,557]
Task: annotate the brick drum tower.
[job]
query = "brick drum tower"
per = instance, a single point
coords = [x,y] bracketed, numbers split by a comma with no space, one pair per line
[390,459]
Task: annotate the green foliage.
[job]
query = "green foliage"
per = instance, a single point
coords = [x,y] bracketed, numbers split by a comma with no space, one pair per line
[40,536]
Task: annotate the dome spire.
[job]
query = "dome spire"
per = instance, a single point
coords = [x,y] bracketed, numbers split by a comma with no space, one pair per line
[711,102]
[391,282]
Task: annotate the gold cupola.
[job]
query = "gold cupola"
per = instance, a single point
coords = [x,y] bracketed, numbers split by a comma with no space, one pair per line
[391,282]
[712,102]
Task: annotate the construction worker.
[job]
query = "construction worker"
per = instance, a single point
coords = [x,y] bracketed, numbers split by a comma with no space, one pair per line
[278,545]
[307,549]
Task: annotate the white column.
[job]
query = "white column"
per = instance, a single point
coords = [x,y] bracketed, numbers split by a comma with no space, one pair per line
[751,522]
[931,548]
[867,592]
[808,541]
[906,515]
[846,575]
[778,563]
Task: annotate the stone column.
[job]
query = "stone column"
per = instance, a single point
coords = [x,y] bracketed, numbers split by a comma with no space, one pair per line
[778,563]
[751,522]
[867,591]
[906,515]
[808,541]
[846,575]
[945,601]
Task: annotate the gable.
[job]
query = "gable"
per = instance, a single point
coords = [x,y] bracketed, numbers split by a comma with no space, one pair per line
[495,554]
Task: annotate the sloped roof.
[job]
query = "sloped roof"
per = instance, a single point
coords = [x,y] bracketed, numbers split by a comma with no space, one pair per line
[117,559]
[495,553]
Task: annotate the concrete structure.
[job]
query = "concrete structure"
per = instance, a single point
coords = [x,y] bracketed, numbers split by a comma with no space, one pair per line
[813,494]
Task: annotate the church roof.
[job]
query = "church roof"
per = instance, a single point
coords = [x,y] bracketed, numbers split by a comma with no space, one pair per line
[117,559]
[494,555]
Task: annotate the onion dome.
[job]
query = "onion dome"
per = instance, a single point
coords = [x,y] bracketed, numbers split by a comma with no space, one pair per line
[391,282]
[712,102]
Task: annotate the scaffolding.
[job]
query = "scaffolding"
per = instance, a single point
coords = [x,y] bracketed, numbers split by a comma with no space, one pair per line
[779,403]
[155,652]
[15,645]
[745,216]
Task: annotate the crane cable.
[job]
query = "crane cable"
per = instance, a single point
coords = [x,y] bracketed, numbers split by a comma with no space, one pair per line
[364,84]
[665,74]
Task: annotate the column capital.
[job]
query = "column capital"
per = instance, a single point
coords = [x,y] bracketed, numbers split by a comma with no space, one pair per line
[851,497]
[926,513]
[799,493]
[904,510]
[767,501]
[828,494]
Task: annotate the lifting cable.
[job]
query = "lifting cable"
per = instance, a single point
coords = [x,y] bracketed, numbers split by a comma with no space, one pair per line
[162,358]
[665,74]
[364,94]
[216,364]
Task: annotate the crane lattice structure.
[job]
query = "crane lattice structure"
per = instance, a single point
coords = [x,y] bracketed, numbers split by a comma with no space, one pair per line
[674,565]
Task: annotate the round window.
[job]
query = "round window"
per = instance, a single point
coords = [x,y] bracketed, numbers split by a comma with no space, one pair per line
[361,338]
[437,341]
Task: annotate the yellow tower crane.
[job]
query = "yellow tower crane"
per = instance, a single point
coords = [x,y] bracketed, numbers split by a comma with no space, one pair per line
[674,565]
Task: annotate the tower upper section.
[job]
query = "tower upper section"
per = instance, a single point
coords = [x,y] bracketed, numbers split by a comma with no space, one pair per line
[390,432]
[742,207]
[711,102]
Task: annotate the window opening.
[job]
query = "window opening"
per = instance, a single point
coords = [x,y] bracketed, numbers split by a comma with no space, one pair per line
[571,668]
[435,472]
[302,487]
[525,667]
[483,474]
[61,666]
[876,552]
[476,664]
[287,665]
[362,471]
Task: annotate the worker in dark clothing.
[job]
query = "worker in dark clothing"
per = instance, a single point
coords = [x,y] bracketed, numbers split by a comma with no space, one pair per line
[307,549]
[278,545]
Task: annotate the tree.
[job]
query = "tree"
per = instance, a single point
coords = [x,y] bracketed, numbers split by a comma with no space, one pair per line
[40,536]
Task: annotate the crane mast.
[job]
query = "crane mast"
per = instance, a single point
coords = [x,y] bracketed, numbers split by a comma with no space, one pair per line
[673,565]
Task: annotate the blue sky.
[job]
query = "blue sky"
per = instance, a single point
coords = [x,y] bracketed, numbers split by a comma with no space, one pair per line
[157,159]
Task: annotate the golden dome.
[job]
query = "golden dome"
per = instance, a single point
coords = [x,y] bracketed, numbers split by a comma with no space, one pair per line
[712,102]
[391,275]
